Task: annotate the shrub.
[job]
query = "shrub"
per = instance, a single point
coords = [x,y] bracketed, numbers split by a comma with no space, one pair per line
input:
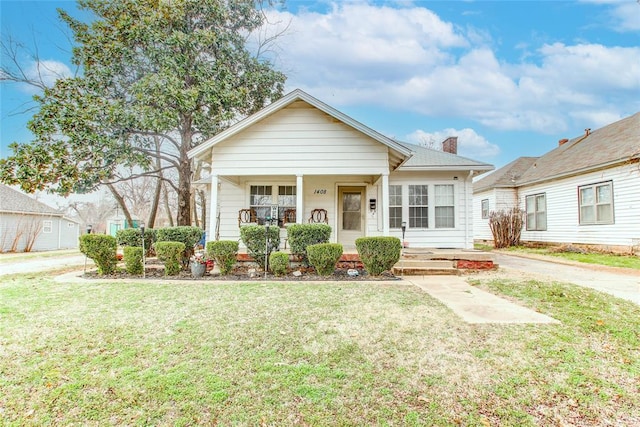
[506,227]
[279,263]
[186,234]
[133,259]
[224,253]
[253,237]
[101,248]
[170,253]
[302,235]
[133,237]
[378,254]
[324,257]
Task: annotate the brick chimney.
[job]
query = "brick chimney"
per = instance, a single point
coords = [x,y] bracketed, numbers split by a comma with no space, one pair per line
[562,141]
[450,145]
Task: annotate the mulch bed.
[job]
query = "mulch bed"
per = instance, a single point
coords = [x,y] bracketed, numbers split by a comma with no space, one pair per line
[155,270]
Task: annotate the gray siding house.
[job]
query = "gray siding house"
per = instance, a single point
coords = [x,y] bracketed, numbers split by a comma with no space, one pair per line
[585,191]
[29,225]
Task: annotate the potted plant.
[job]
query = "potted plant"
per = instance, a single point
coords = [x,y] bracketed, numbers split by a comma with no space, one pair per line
[198,263]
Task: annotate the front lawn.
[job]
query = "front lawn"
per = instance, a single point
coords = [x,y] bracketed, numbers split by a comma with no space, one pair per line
[309,354]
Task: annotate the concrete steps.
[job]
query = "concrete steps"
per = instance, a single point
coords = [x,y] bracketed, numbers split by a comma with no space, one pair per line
[424,267]
[433,261]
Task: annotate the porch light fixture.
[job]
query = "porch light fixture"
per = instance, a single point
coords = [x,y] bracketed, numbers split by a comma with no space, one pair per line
[403,226]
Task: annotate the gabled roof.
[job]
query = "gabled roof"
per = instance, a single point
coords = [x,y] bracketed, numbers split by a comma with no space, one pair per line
[283,102]
[506,176]
[429,159]
[16,202]
[608,146]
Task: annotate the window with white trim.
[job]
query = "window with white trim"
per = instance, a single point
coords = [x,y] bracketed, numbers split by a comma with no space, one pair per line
[261,200]
[47,226]
[444,206]
[418,206]
[536,207]
[596,203]
[485,209]
[286,199]
[395,206]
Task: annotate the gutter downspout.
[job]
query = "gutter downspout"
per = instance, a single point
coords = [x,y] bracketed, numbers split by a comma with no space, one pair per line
[468,209]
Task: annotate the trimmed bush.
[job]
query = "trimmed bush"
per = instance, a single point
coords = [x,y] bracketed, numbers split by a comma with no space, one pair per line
[170,253]
[279,263]
[324,257]
[133,237]
[186,234]
[133,259]
[253,237]
[101,248]
[378,254]
[302,235]
[224,253]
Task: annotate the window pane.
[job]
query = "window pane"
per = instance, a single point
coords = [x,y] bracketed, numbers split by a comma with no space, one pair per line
[485,209]
[587,214]
[418,217]
[531,221]
[541,221]
[351,220]
[444,195]
[586,196]
[444,217]
[540,203]
[395,217]
[605,213]
[395,195]
[604,193]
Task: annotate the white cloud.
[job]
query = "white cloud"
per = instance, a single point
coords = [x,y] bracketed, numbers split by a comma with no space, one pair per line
[47,72]
[624,15]
[470,144]
[409,59]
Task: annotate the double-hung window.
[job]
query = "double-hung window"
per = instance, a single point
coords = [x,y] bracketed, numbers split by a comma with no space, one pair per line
[261,200]
[286,199]
[418,206]
[485,209]
[536,207]
[395,206]
[444,206]
[596,203]
[47,226]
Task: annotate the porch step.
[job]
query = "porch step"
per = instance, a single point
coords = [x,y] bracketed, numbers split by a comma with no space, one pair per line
[424,267]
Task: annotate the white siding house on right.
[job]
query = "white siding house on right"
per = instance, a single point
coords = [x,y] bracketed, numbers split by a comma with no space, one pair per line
[586,191]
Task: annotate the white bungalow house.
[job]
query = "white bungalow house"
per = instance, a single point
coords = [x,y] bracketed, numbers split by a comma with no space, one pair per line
[29,225]
[585,191]
[300,160]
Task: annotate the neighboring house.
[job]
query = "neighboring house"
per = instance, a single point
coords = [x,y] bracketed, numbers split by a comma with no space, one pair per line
[29,225]
[300,160]
[585,191]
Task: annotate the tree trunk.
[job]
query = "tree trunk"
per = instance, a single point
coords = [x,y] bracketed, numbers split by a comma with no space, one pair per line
[122,204]
[184,174]
[158,191]
[167,207]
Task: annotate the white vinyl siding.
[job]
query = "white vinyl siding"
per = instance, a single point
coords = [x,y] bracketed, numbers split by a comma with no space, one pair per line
[444,206]
[299,139]
[536,210]
[596,203]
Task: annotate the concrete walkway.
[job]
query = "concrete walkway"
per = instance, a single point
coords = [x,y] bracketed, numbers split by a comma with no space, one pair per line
[474,305]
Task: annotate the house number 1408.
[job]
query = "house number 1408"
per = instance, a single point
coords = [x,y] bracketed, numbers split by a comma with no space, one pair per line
[320,191]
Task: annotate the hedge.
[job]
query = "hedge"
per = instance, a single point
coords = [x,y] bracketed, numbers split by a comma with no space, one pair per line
[302,235]
[133,259]
[324,257]
[378,254]
[170,253]
[224,253]
[253,237]
[101,248]
[279,263]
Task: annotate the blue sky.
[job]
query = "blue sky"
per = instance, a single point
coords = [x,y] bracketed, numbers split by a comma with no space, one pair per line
[509,78]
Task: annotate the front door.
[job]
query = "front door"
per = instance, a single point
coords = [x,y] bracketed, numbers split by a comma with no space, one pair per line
[351,220]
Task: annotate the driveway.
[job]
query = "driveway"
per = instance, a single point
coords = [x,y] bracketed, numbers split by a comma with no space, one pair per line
[12,264]
[620,282]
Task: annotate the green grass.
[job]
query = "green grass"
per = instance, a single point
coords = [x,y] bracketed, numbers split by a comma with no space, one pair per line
[304,354]
[610,260]
[7,257]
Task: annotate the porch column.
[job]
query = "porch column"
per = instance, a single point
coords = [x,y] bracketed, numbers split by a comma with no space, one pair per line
[299,199]
[213,209]
[385,204]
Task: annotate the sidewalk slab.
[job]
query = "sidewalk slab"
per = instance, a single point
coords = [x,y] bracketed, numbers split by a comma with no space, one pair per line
[474,305]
